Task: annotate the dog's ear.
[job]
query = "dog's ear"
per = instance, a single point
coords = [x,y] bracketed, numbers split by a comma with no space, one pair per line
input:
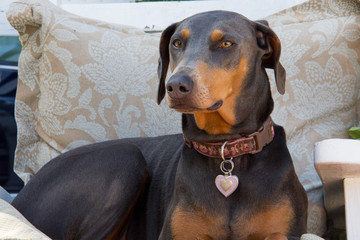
[270,43]
[164,59]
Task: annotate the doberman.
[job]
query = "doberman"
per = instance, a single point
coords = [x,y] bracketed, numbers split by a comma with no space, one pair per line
[228,176]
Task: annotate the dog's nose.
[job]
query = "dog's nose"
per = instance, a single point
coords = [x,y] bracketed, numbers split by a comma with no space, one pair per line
[179,86]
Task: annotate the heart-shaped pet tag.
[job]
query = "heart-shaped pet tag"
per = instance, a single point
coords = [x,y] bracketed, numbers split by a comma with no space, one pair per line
[226,184]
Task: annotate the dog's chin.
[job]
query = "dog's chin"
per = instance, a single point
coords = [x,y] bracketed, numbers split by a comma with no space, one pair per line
[185,108]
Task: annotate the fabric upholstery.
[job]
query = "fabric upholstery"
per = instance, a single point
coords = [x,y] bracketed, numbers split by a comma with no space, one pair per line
[13,225]
[82,81]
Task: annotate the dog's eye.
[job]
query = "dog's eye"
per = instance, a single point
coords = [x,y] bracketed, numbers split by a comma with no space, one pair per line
[177,43]
[226,44]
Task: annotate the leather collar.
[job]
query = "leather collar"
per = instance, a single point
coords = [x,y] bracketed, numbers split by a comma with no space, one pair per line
[250,144]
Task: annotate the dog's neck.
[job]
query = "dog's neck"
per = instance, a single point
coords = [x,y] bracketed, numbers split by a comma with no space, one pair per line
[250,144]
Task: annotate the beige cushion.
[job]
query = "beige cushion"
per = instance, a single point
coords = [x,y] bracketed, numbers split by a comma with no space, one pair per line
[13,225]
[84,81]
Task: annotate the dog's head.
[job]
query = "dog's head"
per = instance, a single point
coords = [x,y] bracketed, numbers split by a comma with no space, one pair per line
[215,59]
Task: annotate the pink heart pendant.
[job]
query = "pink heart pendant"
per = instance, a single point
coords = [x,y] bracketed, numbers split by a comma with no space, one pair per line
[226,184]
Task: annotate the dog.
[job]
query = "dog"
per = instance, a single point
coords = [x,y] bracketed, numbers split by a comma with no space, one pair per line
[228,176]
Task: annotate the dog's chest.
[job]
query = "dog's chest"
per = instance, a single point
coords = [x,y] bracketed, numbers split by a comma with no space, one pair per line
[250,224]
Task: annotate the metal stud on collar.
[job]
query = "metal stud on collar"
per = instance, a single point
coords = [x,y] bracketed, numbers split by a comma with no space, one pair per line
[224,161]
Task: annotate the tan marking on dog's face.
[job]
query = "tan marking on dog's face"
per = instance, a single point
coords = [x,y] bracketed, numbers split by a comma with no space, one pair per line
[220,84]
[171,65]
[185,33]
[275,219]
[216,35]
[196,224]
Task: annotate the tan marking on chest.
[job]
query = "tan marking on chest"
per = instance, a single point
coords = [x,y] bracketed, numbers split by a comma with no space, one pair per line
[197,224]
[221,84]
[276,236]
[273,222]
[275,219]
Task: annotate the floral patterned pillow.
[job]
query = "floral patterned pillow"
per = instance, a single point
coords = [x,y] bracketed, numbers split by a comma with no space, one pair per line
[83,81]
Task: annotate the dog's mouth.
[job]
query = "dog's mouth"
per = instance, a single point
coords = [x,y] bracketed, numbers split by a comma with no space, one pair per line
[185,108]
[216,106]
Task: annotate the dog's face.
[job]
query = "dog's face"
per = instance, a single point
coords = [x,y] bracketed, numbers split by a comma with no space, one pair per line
[212,57]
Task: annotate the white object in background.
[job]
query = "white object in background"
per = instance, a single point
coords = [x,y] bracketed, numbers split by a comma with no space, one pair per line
[352,207]
[5,28]
[162,14]
[158,14]
[338,164]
